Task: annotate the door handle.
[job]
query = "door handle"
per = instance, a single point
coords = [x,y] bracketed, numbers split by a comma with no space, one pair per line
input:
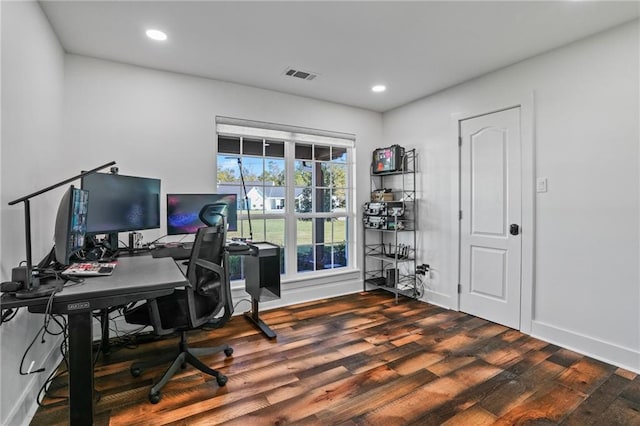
[514,229]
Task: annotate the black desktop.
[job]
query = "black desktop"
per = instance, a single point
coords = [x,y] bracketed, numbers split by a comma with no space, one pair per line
[121,203]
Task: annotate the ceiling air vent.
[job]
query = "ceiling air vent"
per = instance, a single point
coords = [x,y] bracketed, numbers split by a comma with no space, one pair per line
[304,75]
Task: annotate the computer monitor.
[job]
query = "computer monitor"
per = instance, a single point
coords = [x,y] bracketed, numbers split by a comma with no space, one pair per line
[183,211]
[121,203]
[71,224]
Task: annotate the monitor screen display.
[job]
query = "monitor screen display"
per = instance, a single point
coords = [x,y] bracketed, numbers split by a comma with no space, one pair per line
[121,203]
[183,211]
[71,224]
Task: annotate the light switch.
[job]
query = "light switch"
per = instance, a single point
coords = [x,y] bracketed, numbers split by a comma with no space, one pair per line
[541,185]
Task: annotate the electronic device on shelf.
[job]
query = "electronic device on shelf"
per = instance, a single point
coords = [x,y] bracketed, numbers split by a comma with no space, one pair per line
[183,211]
[388,160]
[121,203]
[375,222]
[384,208]
[386,223]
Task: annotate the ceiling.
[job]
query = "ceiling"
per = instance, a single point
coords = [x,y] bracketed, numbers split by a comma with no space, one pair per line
[415,48]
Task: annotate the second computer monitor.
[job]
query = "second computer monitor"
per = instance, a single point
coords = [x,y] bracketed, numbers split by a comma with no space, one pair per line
[120,203]
[183,211]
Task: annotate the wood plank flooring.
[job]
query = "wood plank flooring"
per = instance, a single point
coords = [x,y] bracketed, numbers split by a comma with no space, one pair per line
[363,359]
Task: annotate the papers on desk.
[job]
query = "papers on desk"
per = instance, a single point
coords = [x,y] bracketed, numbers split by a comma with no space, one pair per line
[90,269]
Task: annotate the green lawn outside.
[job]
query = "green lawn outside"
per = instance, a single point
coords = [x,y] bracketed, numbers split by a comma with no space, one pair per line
[275,230]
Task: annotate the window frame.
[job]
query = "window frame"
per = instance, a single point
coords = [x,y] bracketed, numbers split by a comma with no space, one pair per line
[290,136]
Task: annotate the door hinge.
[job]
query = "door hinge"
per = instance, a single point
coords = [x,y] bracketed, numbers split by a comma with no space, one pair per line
[459,140]
[459,214]
[459,288]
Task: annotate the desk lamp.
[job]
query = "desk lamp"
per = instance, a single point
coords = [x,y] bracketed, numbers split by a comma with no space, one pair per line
[25,274]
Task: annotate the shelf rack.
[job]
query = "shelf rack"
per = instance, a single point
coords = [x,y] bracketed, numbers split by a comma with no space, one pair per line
[390,254]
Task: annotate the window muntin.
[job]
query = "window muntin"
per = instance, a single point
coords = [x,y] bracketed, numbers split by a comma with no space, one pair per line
[314,177]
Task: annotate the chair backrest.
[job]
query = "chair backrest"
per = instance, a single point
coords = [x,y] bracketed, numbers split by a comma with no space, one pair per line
[208,275]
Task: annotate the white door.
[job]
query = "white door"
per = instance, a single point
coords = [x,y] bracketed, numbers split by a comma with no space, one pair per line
[490,203]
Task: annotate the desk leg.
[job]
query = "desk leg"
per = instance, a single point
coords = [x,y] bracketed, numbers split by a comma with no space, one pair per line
[80,369]
[254,318]
[104,322]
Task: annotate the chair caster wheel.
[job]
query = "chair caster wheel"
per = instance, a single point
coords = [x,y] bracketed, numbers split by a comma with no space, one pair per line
[154,398]
[135,371]
[228,351]
[222,380]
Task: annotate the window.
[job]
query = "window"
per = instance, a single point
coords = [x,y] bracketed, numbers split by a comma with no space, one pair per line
[298,195]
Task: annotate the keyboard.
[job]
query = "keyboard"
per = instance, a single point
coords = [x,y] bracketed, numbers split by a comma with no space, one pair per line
[178,251]
[90,269]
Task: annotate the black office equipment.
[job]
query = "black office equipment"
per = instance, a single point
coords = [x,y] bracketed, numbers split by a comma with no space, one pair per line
[71,224]
[183,211]
[177,251]
[121,203]
[236,247]
[262,280]
[388,160]
[192,307]
[31,281]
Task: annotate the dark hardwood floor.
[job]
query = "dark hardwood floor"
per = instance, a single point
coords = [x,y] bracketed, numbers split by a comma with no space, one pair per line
[363,359]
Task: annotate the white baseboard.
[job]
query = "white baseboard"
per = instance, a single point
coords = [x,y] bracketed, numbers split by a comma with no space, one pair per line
[438,299]
[610,353]
[26,405]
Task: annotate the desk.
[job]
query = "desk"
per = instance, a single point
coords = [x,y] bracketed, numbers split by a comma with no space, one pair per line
[135,278]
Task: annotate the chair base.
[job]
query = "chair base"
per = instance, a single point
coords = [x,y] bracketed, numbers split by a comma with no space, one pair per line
[185,356]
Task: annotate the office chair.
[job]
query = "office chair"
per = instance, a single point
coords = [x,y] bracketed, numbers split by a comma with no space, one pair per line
[186,309]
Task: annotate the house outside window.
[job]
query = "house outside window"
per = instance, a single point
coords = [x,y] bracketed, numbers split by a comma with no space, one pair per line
[298,195]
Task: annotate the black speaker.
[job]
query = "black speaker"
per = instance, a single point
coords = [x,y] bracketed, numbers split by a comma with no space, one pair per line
[10,286]
[262,272]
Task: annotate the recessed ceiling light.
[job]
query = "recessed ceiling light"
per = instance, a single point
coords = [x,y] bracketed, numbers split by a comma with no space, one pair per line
[156,35]
[379,88]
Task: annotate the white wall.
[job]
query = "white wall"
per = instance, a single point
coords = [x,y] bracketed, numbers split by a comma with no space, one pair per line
[587,226]
[32,91]
[162,124]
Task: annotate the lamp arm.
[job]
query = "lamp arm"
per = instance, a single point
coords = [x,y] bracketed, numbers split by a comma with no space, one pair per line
[54,186]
